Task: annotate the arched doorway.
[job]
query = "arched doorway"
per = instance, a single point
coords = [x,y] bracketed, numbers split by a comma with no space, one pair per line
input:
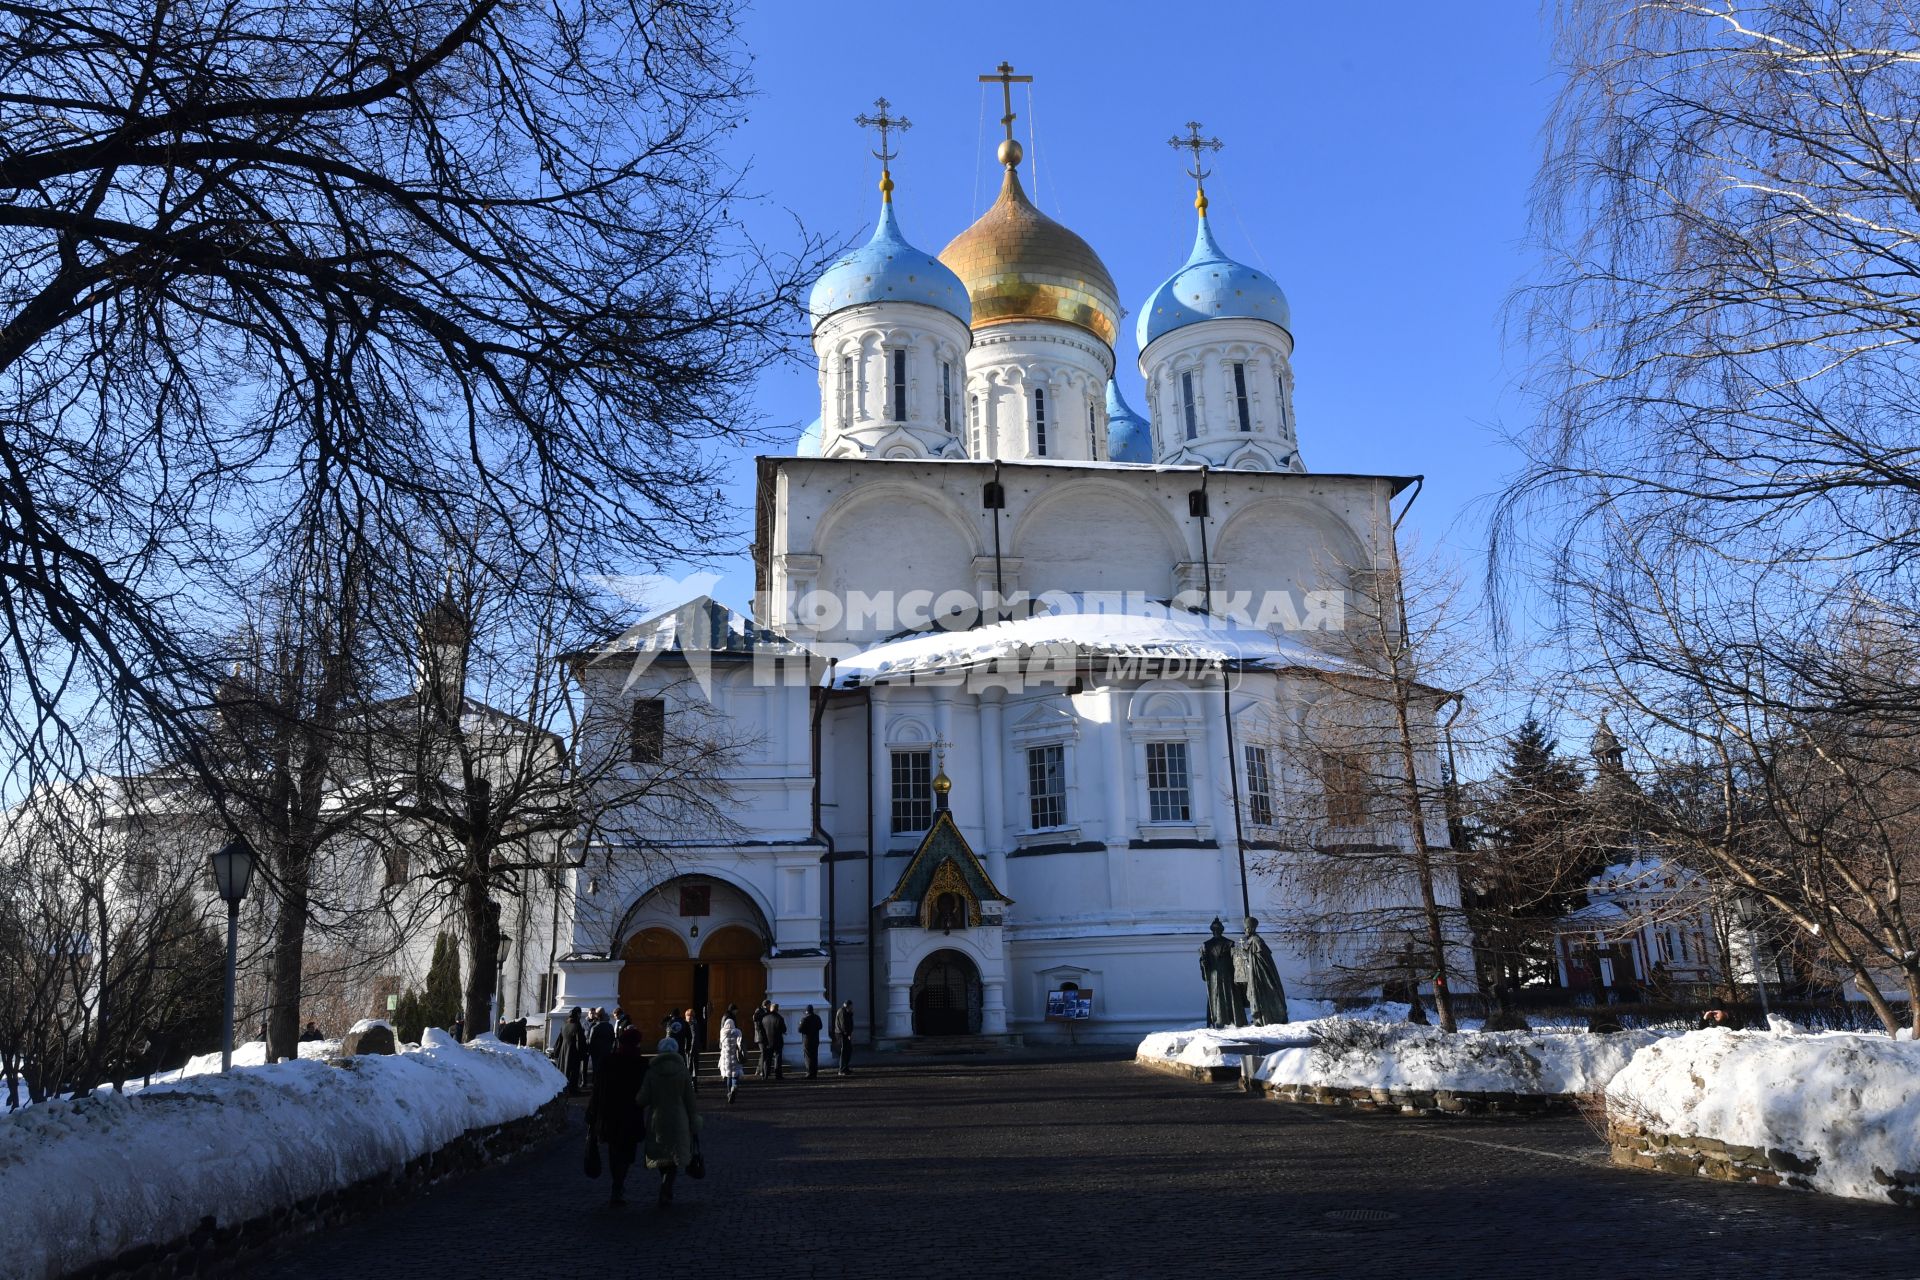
[732,972]
[946,996]
[656,980]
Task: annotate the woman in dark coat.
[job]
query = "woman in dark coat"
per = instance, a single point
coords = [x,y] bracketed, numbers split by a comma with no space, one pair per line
[672,1125]
[614,1114]
[570,1051]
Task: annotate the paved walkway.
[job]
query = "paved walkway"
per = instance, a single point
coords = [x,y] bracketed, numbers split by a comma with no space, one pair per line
[1091,1168]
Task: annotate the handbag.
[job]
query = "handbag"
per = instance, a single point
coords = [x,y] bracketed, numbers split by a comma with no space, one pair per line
[593,1158]
[697,1167]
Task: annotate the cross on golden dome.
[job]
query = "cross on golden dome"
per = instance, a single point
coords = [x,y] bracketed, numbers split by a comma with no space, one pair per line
[884,124]
[1196,144]
[1009,150]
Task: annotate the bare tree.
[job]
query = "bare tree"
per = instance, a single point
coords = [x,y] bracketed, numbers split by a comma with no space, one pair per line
[1367,844]
[398,267]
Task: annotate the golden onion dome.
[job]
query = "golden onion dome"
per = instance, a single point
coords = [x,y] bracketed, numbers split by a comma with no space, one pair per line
[1019,264]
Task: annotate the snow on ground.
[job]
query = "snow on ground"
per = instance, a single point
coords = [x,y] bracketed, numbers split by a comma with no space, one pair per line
[1852,1100]
[82,1181]
[1378,1048]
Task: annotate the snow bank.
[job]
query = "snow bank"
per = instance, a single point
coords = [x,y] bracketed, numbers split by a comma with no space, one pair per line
[1348,1054]
[1844,1103]
[1376,1048]
[82,1181]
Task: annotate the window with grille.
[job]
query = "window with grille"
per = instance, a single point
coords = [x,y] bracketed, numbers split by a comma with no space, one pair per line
[1169,799]
[899,386]
[1187,407]
[973,425]
[1039,423]
[946,395]
[1280,393]
[1259,787]
[1047,786]
[846,390]
[1240,397]
[1093,434]
[912,790]
[648,733]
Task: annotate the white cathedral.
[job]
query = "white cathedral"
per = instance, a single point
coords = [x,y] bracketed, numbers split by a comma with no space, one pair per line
[1001,749]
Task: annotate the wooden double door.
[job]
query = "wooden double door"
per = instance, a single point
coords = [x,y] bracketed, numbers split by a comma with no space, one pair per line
[661,977]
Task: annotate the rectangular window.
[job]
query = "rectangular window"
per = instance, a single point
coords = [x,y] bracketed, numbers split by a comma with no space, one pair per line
[1280,394]
[1345,777]
[1259,787]
[899,386]
[1047,786]
[946,396]
[1039,423]
[846,391]
[1240,397]
[648,741]
[973,426]
[1187,406]
[1168,797]
[1093,434]
[912,790]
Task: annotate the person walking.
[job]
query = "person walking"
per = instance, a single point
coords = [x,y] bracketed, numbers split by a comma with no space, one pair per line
[763,1036]
[810,1025]
[690,1046]
[733,1051]
[776,1041]
[600,1041]
[843,1037]
[672,1126]
[570,1049]
[614,1116]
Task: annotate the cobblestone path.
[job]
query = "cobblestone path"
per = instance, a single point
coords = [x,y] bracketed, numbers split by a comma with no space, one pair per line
[1100,1168]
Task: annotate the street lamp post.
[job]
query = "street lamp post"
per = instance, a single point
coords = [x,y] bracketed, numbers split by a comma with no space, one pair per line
[232,874]
[500,980]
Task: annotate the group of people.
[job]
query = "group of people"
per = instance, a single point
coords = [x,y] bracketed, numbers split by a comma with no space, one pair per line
[770,1030]
[642,1108]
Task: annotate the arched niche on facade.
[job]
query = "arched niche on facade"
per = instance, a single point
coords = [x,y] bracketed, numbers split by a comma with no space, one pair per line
[1096,536]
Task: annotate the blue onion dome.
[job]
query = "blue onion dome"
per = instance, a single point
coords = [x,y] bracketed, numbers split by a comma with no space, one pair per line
[888,269]
[810,440]
[1211,286]
[1129,438]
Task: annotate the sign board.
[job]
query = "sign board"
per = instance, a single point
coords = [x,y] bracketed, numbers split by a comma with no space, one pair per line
[1070,1004]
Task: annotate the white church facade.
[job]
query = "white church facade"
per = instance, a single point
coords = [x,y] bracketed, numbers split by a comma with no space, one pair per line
[1004,732]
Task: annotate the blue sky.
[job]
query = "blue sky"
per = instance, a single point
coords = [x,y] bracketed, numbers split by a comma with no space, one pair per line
[1377,164]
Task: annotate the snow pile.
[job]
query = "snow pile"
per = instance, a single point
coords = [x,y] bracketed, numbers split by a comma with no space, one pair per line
[1377,1048]
[82,1181]
[1852,1101]
[1352,1054]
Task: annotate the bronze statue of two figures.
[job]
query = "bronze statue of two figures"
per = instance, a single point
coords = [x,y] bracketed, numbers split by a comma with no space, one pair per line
[1241,979]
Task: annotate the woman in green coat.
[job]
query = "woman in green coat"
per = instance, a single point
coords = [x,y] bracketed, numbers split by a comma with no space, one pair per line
[667,1095]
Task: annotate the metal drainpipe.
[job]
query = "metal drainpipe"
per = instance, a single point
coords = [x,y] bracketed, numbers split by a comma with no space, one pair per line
[821,833]
[1197,508]
[873,947]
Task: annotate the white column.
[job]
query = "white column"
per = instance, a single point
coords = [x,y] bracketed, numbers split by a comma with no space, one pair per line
[993,787]
[900,1007]
[1117,745]
[993,1008]
[1213,796]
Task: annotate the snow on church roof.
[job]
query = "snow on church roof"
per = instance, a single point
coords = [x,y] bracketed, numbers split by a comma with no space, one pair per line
[1131,630]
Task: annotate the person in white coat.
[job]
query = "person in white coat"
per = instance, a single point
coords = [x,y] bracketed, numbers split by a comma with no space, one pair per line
[733,1052]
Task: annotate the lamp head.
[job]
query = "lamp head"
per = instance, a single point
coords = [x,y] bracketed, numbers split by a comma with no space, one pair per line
[233,869]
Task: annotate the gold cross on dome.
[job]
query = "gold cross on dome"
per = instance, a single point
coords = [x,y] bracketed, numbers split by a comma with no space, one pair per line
[885,124]
[1004,74]
[1196,144]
